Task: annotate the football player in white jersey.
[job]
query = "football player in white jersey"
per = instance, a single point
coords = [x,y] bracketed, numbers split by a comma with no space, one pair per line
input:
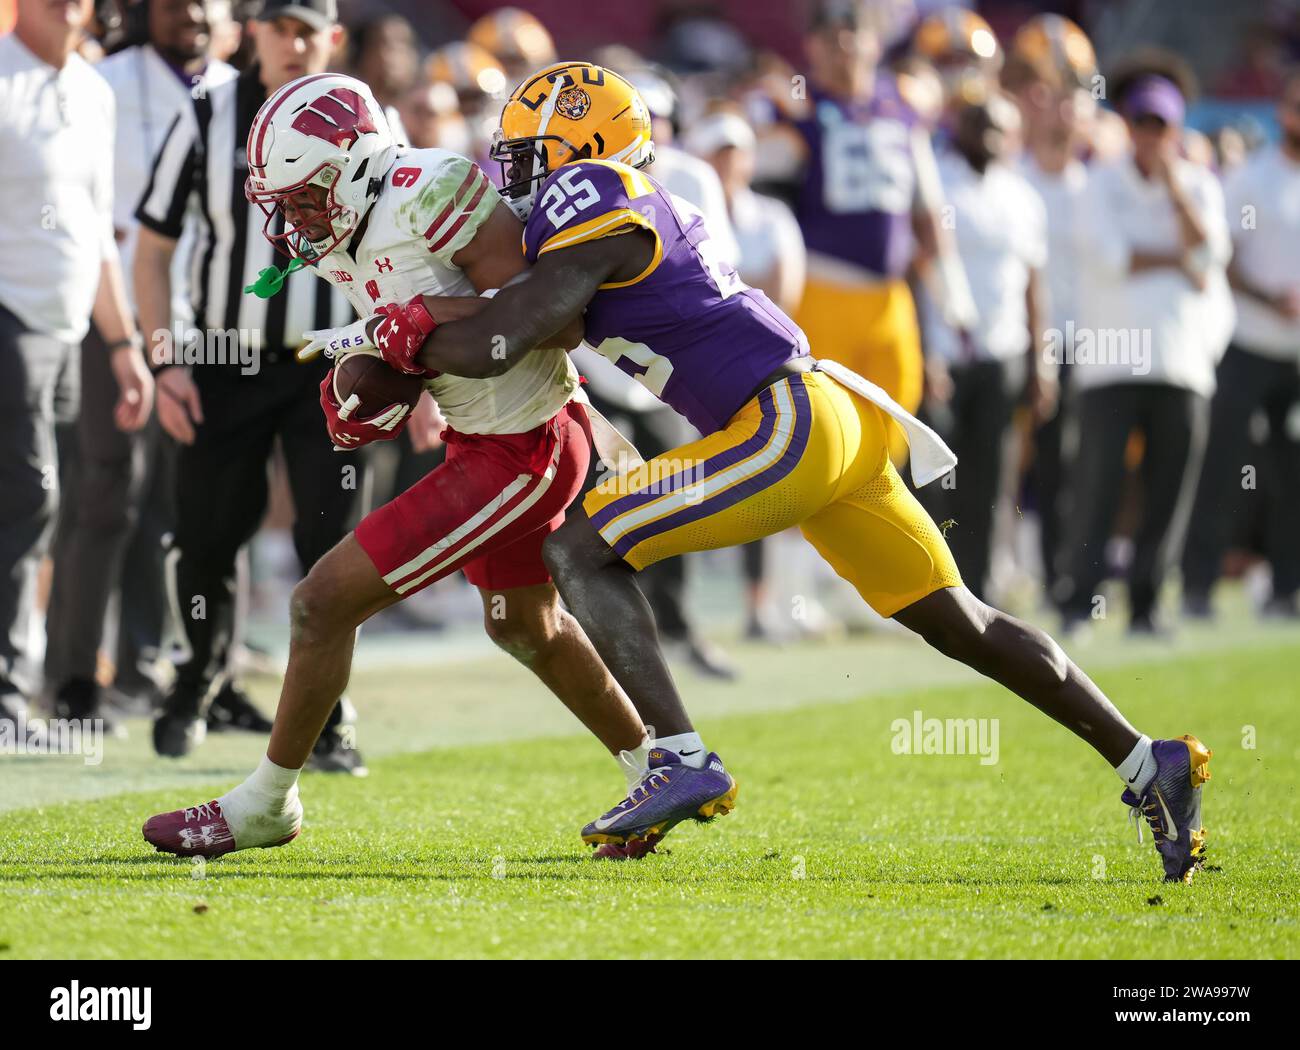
[384,224]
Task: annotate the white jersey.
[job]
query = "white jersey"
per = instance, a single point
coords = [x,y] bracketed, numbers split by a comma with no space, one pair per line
[430,206]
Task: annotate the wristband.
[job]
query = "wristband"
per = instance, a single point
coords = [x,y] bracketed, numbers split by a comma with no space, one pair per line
[133,340]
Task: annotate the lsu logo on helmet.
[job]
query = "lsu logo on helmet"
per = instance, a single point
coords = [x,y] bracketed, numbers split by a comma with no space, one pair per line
[573,103]
[564,113]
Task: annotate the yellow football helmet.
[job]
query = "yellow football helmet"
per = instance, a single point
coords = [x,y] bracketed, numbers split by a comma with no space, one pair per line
[564,113]
[515,38]
[473,72]
[1055,49]
[956,34]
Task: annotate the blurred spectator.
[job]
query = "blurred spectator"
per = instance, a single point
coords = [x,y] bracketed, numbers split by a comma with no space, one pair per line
[383,54]
[771,249]
[1230,149]
[431,114]
[682,174]
[1157,322]
[963,48]
[1001,230]
[108,474]
[58,267]
[480,86]
[1258,374]
[516,39]
[848,149]
[772,258]
[1049,66]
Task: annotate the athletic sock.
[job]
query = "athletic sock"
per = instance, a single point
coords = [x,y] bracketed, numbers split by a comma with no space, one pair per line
[633,764]
[265,807]
[1138,769]
[686,746]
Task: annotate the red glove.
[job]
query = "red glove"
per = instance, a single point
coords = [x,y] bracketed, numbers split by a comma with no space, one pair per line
[402,332]
[349,433]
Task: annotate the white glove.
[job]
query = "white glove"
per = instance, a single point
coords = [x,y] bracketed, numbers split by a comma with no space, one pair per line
[337,341]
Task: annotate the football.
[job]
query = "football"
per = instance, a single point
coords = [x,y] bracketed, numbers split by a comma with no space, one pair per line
[378,385]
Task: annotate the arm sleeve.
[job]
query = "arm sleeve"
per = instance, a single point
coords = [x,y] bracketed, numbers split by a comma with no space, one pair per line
[585,202]
[172,180]
[1108,250]
[104,183]
[1209,198]
[1035,245]
[451,201]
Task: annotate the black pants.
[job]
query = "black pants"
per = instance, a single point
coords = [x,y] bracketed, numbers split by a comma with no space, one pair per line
[221,496]
[102,473]
[1046,484]
[664,582]
[145,620]
[974,424]
[1174,423]
[1248,383]
[38,388]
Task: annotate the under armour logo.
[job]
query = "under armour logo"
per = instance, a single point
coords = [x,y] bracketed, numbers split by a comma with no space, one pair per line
[384,265]
[204,836]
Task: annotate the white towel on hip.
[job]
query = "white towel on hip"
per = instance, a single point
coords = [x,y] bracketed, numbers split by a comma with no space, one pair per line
[930,458]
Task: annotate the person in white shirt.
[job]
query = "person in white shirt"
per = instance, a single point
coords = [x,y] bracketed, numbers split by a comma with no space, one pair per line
[652,427]
[1057,116]
[1001,234]
[1156,319]
[772,257]
[116,473]
[1258,372]
[58,266]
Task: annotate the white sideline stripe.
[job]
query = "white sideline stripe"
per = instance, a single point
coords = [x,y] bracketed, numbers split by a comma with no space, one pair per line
[450,540]
[672,502]
[543,483]
[464,529]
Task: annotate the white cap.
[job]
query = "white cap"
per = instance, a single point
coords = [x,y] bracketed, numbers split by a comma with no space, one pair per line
[717,131]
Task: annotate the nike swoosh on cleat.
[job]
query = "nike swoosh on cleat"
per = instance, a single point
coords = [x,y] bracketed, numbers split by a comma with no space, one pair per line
[602,823]
[1169,820]
[683,754]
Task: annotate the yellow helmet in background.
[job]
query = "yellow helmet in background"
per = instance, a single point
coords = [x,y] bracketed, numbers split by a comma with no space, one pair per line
[956,34]
[516,38]
[568,112]
[472,71]
[1055,49]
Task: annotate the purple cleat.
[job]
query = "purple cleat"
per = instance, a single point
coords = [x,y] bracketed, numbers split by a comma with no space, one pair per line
[1171,804]
[669,792]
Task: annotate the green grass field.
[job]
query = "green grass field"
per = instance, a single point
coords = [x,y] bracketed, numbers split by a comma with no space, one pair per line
[839,847]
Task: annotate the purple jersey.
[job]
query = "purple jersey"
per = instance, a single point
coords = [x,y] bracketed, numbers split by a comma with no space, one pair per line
[687,327]
[855,201]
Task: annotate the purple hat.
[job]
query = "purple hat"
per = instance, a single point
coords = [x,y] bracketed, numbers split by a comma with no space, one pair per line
[1155,96]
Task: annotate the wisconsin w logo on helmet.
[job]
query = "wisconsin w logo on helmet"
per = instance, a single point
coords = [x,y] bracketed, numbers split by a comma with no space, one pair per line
[339,117]
[318,151]
[564,113]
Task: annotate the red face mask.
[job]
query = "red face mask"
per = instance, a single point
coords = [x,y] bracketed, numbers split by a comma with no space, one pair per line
[308,222]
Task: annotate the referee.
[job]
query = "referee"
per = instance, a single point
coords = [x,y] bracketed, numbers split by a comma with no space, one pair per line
[232,386]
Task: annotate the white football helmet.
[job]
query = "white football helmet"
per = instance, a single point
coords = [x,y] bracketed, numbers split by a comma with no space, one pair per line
[318,151]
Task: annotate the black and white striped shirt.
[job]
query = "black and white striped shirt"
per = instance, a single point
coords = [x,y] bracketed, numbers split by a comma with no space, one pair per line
[203,160]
